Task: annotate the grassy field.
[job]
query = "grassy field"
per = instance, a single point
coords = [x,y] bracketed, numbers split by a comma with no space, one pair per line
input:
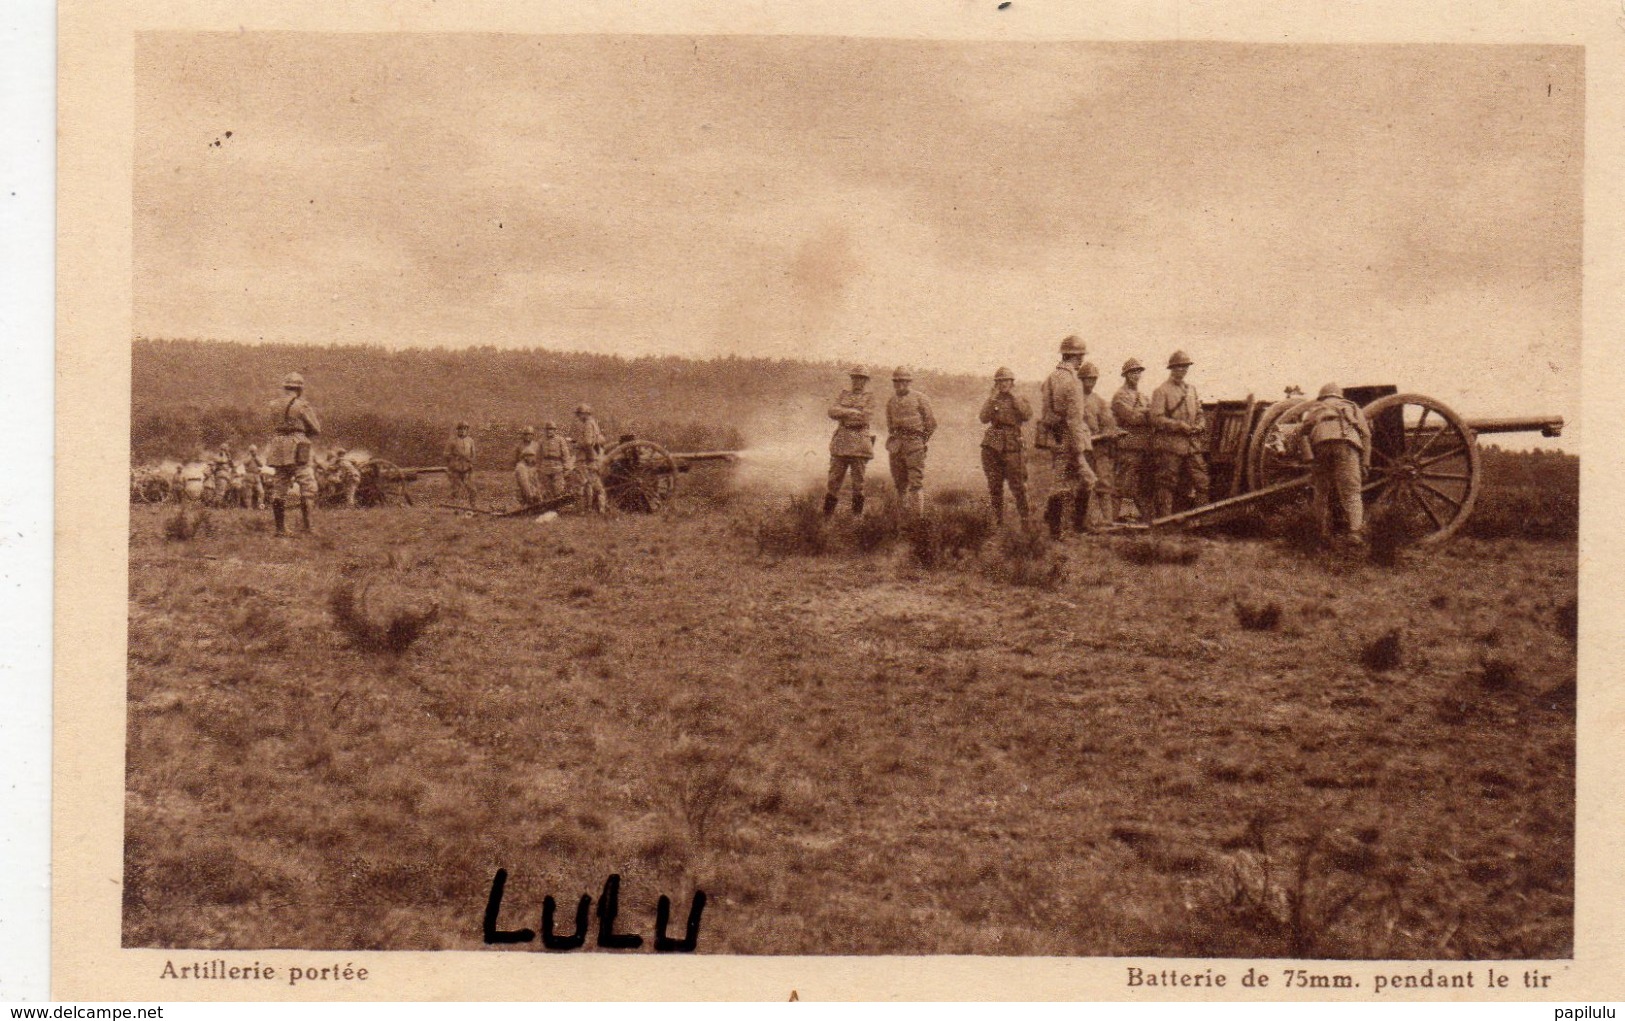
[1206,747]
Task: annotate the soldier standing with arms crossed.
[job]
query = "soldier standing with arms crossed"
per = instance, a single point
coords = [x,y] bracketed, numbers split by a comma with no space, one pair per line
[1130,409]
[853,445]
[1061,429]
[1003,460]
[1102,456]
[909,425]
[556,462]
[1177,422]
[460,464]
[1339,436]
[290,454]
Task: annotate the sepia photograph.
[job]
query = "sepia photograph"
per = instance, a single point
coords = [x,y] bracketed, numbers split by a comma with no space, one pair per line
[831,495]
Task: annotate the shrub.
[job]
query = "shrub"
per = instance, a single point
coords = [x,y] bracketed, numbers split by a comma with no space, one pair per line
[184,527]
[349,609]
[873,533]
[1258,616]
[1026,558]
[798,531]
[1386,653]
[1390,532]
[945,534]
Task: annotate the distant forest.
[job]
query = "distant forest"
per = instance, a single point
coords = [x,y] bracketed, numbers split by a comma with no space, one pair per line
[190,396]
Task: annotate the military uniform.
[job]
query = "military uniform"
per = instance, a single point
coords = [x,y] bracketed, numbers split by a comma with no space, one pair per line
[909,425]
[1131,410]
[1004,457]
[460,467]
[1063,430]
[1339,436]
[527,480]
[349,478]
[851,447]
[554,465]
[1102,456]
[253,480]
[589,446]
[1181,467]
[290,454]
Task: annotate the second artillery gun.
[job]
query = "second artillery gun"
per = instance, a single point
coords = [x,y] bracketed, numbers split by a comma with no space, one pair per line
[1425,462]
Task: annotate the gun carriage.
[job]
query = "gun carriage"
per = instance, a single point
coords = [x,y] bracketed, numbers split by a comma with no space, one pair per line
[1424,458]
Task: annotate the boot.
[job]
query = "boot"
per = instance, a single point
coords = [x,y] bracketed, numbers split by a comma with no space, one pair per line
[304,514]
[280,513]
[830,500]
[857,504]
[1052,515]
[996,506]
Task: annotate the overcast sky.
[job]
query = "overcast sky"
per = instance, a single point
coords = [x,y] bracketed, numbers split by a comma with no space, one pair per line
[1287,214]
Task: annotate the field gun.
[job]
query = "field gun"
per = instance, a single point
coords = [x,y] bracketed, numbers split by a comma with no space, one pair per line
[1424,458]
[639,477]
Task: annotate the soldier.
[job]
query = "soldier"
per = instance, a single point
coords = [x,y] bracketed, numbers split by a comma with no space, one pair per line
[909,425]
[1337,434]
[556,462]
[289,453]
[460,465]
[220,477]
[589,444]
[1129,409]
[1003,458]
[1062,430]
[527,483]
[253,479]
[348,476]
[1102,456]
[1177,423]
[853,445]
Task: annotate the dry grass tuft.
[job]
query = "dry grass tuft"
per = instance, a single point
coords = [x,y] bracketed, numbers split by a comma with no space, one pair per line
[349,610]
[1258,616]
[798,531]
[1389,533]
[945,534]
[1027,558]
[1146,552]
[1498,674]
[1384,654]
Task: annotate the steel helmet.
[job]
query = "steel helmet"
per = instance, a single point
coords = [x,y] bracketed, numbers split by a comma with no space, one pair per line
[859,371]
[1088,371]
[1132,365]
[1073,346]
[901,372]
[462,425]
[550,426]
[252,449]
[583,409]
[528,430]
[1330,390]
[1004,373]
[1179,358]
[293,381]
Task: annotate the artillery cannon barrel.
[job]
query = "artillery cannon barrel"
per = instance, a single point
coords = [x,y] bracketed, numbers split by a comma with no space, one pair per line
[1546,425]
[707,455]
[412,473]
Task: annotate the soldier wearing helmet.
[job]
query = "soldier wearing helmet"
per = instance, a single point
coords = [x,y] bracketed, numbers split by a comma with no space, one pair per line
[853,444]
[589,449]
[1177,424]
[527,481]
[348,475]
[909,425]
[1102,455]
[1338,436]
[289,453]
[460,451]
[1130,409]
[1061,429]
[1004,459]
[555,462]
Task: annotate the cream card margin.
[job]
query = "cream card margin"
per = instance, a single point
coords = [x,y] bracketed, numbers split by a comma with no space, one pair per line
[94,308]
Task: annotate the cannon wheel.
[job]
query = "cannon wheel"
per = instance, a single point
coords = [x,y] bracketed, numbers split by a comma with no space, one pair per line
[639,476]
[1424,464]
[1268,460]
[383,484]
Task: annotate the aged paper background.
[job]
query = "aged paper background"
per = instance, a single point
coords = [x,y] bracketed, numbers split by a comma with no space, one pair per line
[95,307]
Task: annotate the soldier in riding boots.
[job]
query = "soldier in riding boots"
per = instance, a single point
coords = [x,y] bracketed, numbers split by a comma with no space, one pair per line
[1130,409]
[853,444]
[1061,429]
[909,425]
[1003,456]
[289,453]
[1177,424]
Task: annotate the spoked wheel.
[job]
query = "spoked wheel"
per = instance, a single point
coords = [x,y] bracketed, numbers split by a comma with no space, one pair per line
[639,476]
[383,484]
[1269,459]
[1424,466]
